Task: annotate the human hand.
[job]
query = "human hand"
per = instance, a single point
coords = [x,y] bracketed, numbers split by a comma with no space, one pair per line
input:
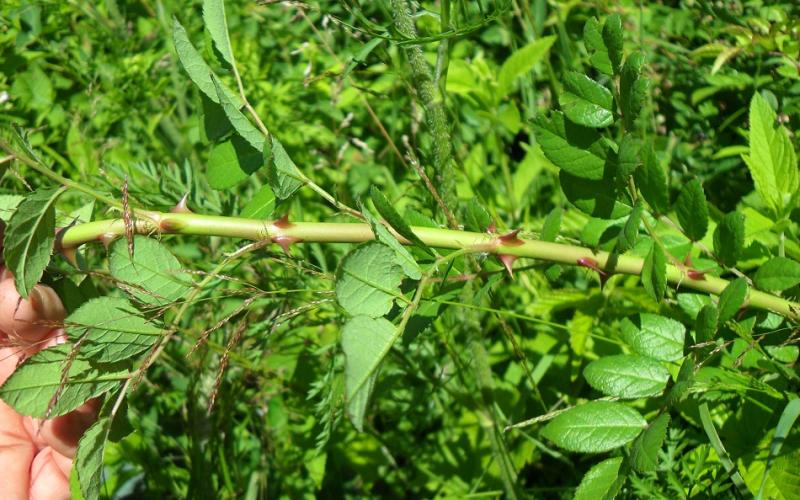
[35,455]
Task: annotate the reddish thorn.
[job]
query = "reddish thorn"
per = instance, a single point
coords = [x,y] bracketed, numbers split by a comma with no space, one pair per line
[696,275]
[283,222]
[492,228]
[182,207]
[107,238]
[285,242]
[688,260]
[592,264]
[510,239]
[71,254]
[508,262]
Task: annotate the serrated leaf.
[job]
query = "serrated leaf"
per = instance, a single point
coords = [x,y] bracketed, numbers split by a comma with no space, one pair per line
[630,231]
[595,427]
[402,255]
[729,239]
[600,482]
[644,452]
[627,376]
[654,272]
[596,198]
[629,156]
[692,210]
[368,280]
[476,218]
[231,162]
[29,238]
[260,205]
[89,458]
[577,150]
[593,38]
[777,274]
[243,126]
[520,62]
[612,38]
[731,299]
[217,25]
[586,102]
[283,175]
[629,103]
[111,328]
[365,342]
[706,323]
[197,69]
[654,336]
[33,384]
[387,211]
[9,203]
[772,160]
[156,275]
[652,181]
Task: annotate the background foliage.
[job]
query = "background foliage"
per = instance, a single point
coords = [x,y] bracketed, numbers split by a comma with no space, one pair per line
[710,390]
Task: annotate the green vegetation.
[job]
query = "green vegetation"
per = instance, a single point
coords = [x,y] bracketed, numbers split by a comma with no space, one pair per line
[487,248]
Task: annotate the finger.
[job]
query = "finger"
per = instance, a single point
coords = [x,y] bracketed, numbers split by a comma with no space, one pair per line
[29,321]
[47,479]
[63,433]
[16,454]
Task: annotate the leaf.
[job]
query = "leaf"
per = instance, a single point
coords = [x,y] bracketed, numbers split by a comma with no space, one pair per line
[387,211]
[644,451]
[552,225]
[156,275]
[365,342]
[629,101]
[31,387]
[89,457]
[630,231]
[243,126]
[260,205]
[520,62]
[283,175]
[368,280]
[9,203]
[402,255]
[476,218]
[654,272]
[729,239]
[595,198]
[612,37]
[586,102]
[231,162]
[593,38]
[654,336]
[600,482]
[197,69]
[692,210]
[111,328]
[788,417]
[578,150]
[595,427]
[772,160]
[652,181]
[706,323]
[629,156]
[217,26]
[29,238]
[731,299]
[627,376]
[777,274]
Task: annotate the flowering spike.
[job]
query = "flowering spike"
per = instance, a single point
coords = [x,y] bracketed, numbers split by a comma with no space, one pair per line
[510,239]
[182,207]
[283,222]
[508,262]
[285,242]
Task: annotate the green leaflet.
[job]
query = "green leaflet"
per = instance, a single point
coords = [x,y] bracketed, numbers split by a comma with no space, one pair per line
[111,328]
[772,160]
[630,231]
[627,376]
[612,37]
[9,203]
[402,255]
[154,276]
[731,299]
[600,482]
[231,162]
[586,102]
[593,38]
[654,336]
[520,62]
[595,427]
[387,211]
[217,26]
[29,238]
[628,156]
[243,126]
[32,386]
[596,198]
[368,280]
[777,274]
[577,150]
[652,181]
[552,225]
[692,210]
[630,99]
[644,452]
[88,464]
[260,205]
[729,239]
[476,218]
[706,323]
[283,175]
[365,342]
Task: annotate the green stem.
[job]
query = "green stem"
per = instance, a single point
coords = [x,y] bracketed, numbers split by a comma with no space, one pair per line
[332,232]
